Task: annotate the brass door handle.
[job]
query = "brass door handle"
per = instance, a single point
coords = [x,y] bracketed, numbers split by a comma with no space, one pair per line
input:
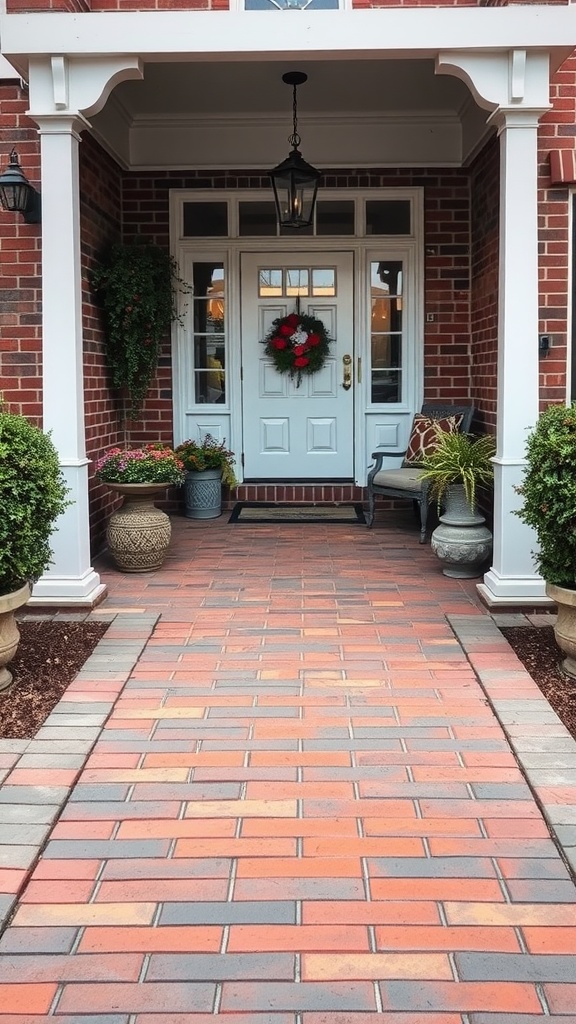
[347,372]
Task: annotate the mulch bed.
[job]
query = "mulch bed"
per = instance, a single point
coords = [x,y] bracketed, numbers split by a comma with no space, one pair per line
[49,655]
[541,656]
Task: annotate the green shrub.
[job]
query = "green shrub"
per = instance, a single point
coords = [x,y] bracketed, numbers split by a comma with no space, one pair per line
[549,493]
[32,496]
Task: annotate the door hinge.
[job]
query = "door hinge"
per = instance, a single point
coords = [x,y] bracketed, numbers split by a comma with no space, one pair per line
[241,373]
[242,460]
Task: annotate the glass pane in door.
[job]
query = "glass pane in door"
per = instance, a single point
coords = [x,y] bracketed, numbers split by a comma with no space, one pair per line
[386,309]
[209,333]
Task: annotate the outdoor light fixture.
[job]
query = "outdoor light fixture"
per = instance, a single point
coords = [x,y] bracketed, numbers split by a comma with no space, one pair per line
[294,181]
[17,195]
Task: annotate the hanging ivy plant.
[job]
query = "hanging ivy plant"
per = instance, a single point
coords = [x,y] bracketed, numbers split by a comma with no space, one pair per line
[138,286]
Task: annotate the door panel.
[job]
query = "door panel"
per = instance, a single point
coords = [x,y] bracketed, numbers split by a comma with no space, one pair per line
[293,432]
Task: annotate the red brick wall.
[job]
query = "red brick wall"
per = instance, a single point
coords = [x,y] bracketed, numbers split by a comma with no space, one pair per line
[20,281]
[447,286]
[26,6]
[557,131]
[484,189]
[100,191]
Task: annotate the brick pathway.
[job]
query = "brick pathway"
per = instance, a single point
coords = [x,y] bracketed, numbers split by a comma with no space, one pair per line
[301,809]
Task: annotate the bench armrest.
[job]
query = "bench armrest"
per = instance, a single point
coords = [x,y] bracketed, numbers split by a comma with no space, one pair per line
[378,457]
[383,455]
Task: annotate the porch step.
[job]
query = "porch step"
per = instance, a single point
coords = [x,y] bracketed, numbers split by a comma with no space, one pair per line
[275,491]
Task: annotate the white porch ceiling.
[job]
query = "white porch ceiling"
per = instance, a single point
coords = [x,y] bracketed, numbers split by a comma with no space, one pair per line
[210,114]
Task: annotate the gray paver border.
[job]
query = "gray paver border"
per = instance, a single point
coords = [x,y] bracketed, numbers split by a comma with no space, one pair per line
[543,747]
[26,823]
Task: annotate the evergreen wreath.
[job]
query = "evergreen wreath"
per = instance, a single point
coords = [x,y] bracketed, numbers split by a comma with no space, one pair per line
[297,344]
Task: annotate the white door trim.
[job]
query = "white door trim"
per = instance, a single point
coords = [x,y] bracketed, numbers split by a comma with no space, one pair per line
[384,425]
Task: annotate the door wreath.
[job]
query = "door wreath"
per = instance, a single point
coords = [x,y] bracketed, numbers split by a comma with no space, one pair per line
[297,344]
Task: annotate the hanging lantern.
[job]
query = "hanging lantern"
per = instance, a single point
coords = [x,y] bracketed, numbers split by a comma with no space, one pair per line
[295,182]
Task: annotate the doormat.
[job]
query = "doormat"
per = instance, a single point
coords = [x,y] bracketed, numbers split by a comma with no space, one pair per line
[261,512]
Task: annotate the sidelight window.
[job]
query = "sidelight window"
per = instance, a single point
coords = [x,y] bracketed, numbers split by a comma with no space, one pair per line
[209,333]
[386,331]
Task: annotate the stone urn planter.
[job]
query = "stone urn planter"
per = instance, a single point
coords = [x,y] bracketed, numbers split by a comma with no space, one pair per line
[138,533]
[203,494]
[461,541]
[9,634]
[565,628]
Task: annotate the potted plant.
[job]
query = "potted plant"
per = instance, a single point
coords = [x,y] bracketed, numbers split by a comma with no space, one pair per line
[208,464]
[32,496]
[138,286]
[455,468]
[138,533]
[548,491]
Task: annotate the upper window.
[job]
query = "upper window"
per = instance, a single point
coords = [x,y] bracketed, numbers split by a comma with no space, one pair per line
[291,5]
[256,216]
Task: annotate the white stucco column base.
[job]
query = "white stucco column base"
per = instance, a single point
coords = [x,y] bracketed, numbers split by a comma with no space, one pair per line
[512,579]
[71,580]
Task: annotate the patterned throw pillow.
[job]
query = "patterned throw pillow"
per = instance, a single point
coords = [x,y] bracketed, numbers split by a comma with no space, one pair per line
[423,436]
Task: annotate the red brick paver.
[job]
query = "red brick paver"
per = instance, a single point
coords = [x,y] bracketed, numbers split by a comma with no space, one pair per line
[301,810]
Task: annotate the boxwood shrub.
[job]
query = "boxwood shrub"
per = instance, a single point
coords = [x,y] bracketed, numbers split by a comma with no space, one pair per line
[32,496]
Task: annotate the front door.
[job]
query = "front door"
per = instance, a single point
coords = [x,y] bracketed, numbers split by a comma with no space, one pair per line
[291,432]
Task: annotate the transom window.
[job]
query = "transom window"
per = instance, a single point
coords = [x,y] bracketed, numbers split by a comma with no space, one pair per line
[256,218]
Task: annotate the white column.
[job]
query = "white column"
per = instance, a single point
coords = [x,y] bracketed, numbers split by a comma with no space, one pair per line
[512,578]
[71,579]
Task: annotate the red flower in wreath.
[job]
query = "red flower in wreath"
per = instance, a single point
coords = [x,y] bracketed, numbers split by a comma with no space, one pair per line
[297,344]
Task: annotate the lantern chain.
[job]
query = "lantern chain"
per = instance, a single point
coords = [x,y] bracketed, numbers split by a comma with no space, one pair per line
[294,139]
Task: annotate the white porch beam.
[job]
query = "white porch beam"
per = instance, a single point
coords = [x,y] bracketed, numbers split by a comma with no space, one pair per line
[379,33]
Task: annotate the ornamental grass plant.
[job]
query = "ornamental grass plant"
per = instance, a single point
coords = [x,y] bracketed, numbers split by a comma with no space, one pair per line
[32,496]
[549,494]
[459,458]
[208,454]
[150,464]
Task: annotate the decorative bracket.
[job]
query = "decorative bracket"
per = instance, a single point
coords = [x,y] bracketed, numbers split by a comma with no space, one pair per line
[79,85]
